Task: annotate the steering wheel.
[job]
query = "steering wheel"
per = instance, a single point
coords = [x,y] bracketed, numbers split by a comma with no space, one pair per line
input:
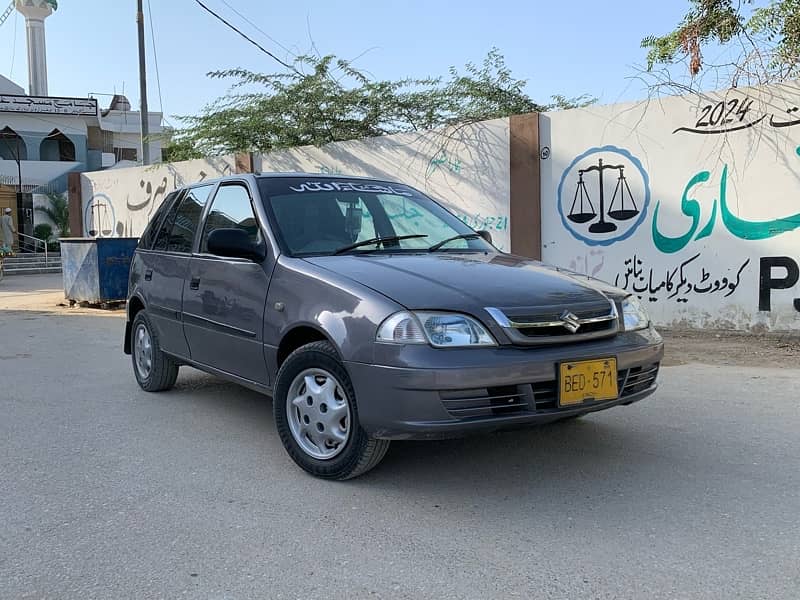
[318,245]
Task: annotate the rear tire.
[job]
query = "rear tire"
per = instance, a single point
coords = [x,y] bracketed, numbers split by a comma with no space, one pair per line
[154,370]
[316,416]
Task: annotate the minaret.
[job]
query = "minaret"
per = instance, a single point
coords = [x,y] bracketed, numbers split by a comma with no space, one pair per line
[35,12]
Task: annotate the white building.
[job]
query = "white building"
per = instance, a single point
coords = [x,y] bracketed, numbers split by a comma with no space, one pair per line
[45,137]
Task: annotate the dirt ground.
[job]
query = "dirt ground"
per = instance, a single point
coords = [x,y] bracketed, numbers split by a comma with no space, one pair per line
[731,348]
[43,293]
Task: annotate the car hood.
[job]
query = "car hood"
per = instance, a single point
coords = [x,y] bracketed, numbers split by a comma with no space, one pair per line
[467,282]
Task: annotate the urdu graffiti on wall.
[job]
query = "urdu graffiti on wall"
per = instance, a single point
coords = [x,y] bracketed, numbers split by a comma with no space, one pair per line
[443,160]
[689,278]
[485,222]
[100,214]
[603,195]
[591,217]
[581,263]
[326,170]
[716,246]
[741,228]
[734,114]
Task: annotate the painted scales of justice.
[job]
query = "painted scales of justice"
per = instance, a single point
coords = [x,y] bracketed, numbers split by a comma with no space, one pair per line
[583,211]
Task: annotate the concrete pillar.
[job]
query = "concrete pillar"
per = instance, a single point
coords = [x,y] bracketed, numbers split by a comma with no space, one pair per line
[35,12]
[244,162]
[75,204]
[526,202]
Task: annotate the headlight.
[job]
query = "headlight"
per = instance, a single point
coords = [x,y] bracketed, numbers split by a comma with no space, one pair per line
[634,315]
[441,330]
[401,328]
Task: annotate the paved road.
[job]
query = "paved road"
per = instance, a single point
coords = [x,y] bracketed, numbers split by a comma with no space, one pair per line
[108,492]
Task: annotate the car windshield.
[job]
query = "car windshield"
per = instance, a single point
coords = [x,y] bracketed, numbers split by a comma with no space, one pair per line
[327,216]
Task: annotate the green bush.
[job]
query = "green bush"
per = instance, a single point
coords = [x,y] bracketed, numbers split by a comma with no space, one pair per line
[43,231]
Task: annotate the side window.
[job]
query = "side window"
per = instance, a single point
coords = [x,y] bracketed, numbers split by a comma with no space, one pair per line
[231,209]
[150,232]
[162,237]
[187,219]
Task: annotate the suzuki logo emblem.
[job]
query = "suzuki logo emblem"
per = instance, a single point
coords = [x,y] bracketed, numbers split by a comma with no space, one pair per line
[570,321]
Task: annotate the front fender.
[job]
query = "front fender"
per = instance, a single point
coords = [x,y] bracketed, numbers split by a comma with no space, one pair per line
[346,312]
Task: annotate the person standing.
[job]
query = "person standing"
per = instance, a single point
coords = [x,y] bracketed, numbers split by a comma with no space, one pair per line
[7,229]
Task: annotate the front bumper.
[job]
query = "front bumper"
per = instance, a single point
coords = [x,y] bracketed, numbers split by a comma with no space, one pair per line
[449,394]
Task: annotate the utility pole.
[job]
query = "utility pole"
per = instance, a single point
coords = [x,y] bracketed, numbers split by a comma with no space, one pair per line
[143,112]
[18,158]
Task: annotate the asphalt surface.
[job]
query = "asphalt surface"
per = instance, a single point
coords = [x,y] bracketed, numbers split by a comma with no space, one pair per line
[108,492]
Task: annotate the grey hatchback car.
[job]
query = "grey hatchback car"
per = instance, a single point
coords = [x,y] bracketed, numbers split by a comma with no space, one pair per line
[369,313]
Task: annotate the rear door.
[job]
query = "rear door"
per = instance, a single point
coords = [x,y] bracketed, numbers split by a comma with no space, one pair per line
[166,267]
[224,298]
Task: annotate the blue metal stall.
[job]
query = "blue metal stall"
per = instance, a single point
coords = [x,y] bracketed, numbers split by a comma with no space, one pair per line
[95,270]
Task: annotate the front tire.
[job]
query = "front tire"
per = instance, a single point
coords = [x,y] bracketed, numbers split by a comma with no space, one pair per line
[154,370]
[317,417]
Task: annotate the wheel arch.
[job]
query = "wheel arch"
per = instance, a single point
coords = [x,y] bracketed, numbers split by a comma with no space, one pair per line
[298,336]
[135,305]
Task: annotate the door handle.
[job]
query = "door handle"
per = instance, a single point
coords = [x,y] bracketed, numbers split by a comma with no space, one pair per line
[148,274]
[194,284]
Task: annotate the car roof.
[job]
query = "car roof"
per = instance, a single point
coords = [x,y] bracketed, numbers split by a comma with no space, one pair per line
[297,175]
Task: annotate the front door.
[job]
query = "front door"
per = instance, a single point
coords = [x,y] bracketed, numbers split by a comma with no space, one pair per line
[224,298]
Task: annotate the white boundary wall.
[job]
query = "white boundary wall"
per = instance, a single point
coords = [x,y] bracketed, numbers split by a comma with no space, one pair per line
[119,202]
[465,168]
[714,237]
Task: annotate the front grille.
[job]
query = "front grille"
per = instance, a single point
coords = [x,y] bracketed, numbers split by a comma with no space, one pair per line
[585,310]
[551,324]
[485,402]
[638,379]
[513,399]
[545,394]
[629,381]
[560,330]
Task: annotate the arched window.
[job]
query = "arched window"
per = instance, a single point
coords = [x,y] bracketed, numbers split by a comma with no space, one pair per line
[57,146]
[12,147]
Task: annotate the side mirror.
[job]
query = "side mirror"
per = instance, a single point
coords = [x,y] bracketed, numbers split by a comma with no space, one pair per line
[235,243]
[485,235]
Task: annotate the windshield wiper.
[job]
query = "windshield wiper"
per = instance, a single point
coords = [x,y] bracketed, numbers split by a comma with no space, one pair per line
[462,236]
[378,240]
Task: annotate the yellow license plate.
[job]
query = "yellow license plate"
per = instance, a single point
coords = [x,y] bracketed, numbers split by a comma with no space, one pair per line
[587,380]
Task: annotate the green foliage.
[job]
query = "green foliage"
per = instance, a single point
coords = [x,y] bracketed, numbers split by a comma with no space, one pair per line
[57,212]
[767,35]
[43,231]
[325,99]
[779,23]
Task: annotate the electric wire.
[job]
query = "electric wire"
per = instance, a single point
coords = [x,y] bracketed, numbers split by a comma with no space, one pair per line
[257,28]
[245,36]
[155,62]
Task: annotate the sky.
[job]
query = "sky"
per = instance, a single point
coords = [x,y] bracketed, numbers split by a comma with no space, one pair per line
[570,47]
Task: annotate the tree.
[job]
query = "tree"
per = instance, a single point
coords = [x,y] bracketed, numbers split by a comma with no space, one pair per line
[325,99]
[763,39]
[57,212]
